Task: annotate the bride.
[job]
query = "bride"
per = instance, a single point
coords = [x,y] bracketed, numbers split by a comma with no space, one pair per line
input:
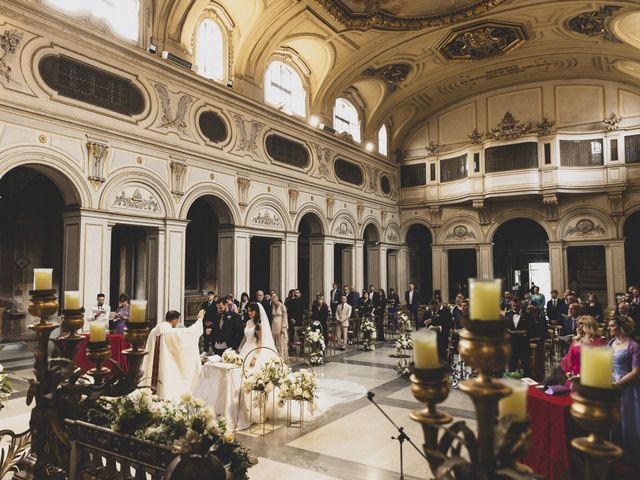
[258,341]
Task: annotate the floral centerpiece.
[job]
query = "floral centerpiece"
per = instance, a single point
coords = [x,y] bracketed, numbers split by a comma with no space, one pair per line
[6,389]
[186,426]
[231,356]
[267,377]
[369,334]
[301,386]
[316,341]
[403,343]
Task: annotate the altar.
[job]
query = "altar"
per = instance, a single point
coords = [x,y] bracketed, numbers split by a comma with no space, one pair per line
[220,387]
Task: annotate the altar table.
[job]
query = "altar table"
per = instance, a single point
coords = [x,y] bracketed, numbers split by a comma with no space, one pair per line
[220,387]
[117,344]
[551,430]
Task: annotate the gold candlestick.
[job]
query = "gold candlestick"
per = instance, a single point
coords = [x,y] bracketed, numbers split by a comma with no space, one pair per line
[72,321]
[136,335]
[98,353]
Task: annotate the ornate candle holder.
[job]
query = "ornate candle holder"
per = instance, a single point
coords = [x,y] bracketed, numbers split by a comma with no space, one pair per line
[98,353]
[72,321]
[597,410]
[136,335]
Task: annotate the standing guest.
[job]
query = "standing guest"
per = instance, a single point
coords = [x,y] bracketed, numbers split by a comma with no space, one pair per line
[379,305]
[519,325]
[295,309]
[554,306]
[320,313]
[266,304]
[365,305]
[455,310]
[99,313]
[227,329]
[210,314]
[343,313]
[526,301]
[372,290]
[634,305]
[280,327]
[626,374]
[231,303]
[569,326]
[122,314]
[243,305]
[587,333]
[538,334]
[594,307]
[412,300]
[334,298]
[438,318]
[394,302]
[353,298]
[537,297]
[506,301]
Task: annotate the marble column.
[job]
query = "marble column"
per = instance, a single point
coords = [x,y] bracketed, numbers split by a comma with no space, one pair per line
[373,261]
[348,263]
[616,270]
[557,266]
[403,270]
[382,268]
[290,266]
[392,270]
[234,259]
[152,266]
[440,270]
[173,262]
[358,265]
[282,257]
[485,260]
[328,274]
[316,266]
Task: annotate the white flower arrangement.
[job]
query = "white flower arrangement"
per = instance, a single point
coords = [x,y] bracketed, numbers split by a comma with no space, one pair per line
[369,334]
[301,385]
[402,367]
[267,377]
[403,342]
[231,356]
[6,389]
[315,338]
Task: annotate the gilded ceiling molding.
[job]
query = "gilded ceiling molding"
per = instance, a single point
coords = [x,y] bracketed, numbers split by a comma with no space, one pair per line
[393,74]
[482,41]
[595,24]
[381,20]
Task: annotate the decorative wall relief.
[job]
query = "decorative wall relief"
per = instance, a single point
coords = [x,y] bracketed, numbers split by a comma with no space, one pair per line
[460,233]
[9,43]
[323,164]
[432,148]
[343,229]
[169,120]
[267,218]
[436,216]
[360,213]
[98,153]
[550,203]
[585,228]
[392,235]
[476,136]
[243,190]
[393,74]
[482,210]
[482,41]
[594,24]
[612,122]
[248,133]
[372,179]
[293,201]
[616,204]
[544,127]
[331,202]
[133,198]
[509,128]
[178,176]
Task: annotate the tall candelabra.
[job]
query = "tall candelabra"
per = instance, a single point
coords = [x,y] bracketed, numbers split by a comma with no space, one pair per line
[493,452]
[62,391]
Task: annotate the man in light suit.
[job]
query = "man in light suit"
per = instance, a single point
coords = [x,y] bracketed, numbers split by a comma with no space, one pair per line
[343,313]
[412,300]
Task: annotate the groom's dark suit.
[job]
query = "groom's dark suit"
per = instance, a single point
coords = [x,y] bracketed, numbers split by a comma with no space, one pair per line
[227,329]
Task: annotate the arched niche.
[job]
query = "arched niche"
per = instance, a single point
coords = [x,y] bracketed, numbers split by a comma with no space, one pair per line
[311,256]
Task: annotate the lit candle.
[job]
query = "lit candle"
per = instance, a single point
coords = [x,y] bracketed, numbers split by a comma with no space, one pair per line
[97,332]
[42,278]
[138,311]
[596,366]
[484,299]
[425,350]
[516,403]
[71,300]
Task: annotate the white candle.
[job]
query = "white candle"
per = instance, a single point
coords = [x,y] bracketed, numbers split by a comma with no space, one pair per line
[484,299]
[97,332]
[42,278]
[596,366]
[425,350]
[71,300]
[516,403]
[138,311]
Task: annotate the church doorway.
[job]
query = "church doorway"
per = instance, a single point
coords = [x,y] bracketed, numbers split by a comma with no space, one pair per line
[462,266]
[631,250]
[420,269]
[587,269]
[342,258]
[31,236]
[310,258]
[371,260]
[521,254]
[265,265]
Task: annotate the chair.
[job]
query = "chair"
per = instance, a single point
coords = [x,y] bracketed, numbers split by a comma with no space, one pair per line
[331,339]
[297,343]
[353,332]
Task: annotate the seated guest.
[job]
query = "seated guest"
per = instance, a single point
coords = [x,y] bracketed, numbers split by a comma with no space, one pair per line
[122,314]
[569,324]
[320,313]
[626,374]
[505,302]
[438,318]
[520,326]
[554,307]
[98,313]
[587,333]
[594,307]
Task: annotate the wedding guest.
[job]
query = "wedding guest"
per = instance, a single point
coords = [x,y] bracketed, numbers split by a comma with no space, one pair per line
[537,297]
[455,310]
[231,303]
[626,374]
[594,307]
[379,301]
[320,313]
[343,313]
[209,314]
[554,307]
[438,318]
[412,300]
[353,298]
[519,325]
[266,304]
[365,306]
[122,314]
[587,333]
[569,325]
[334,298]
[506,301]
[244,304]
[279,327]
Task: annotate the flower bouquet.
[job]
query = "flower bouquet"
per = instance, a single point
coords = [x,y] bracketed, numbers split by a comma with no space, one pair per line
[369,334]
[5,388]
[403,343]
[231,356]
[316,341]
[260,382]
[300,386]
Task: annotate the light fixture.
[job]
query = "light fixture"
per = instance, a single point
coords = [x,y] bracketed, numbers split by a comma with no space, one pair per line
[314,121]
[230,83]
[153,48]
[177,60]
[369,146]
[321,126]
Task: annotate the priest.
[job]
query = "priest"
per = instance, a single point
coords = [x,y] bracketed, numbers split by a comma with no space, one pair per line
[174,357]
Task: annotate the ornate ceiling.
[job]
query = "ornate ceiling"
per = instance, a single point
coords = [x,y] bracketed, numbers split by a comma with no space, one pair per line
[404,60]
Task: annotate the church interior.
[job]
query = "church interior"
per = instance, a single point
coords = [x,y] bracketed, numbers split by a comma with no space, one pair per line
[319,239]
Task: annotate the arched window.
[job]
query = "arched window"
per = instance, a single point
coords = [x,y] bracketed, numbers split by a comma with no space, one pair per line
[284,89]
[210,50]
[123,16]
[346,119]
[383,141]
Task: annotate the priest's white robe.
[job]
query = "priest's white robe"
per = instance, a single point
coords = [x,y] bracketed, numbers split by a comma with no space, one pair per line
[179,364]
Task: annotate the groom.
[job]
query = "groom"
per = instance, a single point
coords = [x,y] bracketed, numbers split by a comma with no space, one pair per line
[227,329]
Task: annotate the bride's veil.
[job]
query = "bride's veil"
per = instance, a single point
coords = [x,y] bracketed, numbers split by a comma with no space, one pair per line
[268,350]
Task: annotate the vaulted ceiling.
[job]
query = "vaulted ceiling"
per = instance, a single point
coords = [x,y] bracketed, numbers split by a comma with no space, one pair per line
[407,59]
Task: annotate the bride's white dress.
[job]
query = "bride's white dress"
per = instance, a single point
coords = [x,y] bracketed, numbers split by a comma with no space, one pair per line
[257,354]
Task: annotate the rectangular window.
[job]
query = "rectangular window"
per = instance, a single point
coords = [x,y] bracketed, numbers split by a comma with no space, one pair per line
[476,162]
[614,150]
[453,168]
[413,175]
[632,149]
[581,153]
[432,172]
[547,154]
[518,156]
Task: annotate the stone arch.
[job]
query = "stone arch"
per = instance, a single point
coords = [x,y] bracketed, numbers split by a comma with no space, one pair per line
[371,222]
[254,217]
[223,202]
[59,168]
[316,212]
[460,228]
[404,230]
[580,223]
[130,178]
[529,214]
[344,225]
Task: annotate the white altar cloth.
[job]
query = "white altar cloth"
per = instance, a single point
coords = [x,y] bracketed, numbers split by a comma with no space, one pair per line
[220,386]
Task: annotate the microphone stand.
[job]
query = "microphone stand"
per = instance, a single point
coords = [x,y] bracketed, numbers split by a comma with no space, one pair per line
[402,436]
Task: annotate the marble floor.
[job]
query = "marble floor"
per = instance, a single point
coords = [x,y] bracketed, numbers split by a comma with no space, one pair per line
[349,441]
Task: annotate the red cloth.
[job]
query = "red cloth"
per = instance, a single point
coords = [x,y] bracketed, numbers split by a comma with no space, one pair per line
[117,346]
[548,450]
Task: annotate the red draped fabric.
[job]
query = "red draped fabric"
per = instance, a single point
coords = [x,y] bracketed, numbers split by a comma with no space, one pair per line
[117,346]
[550,425]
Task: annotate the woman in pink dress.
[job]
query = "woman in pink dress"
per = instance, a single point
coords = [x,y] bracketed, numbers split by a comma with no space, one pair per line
[587,333]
